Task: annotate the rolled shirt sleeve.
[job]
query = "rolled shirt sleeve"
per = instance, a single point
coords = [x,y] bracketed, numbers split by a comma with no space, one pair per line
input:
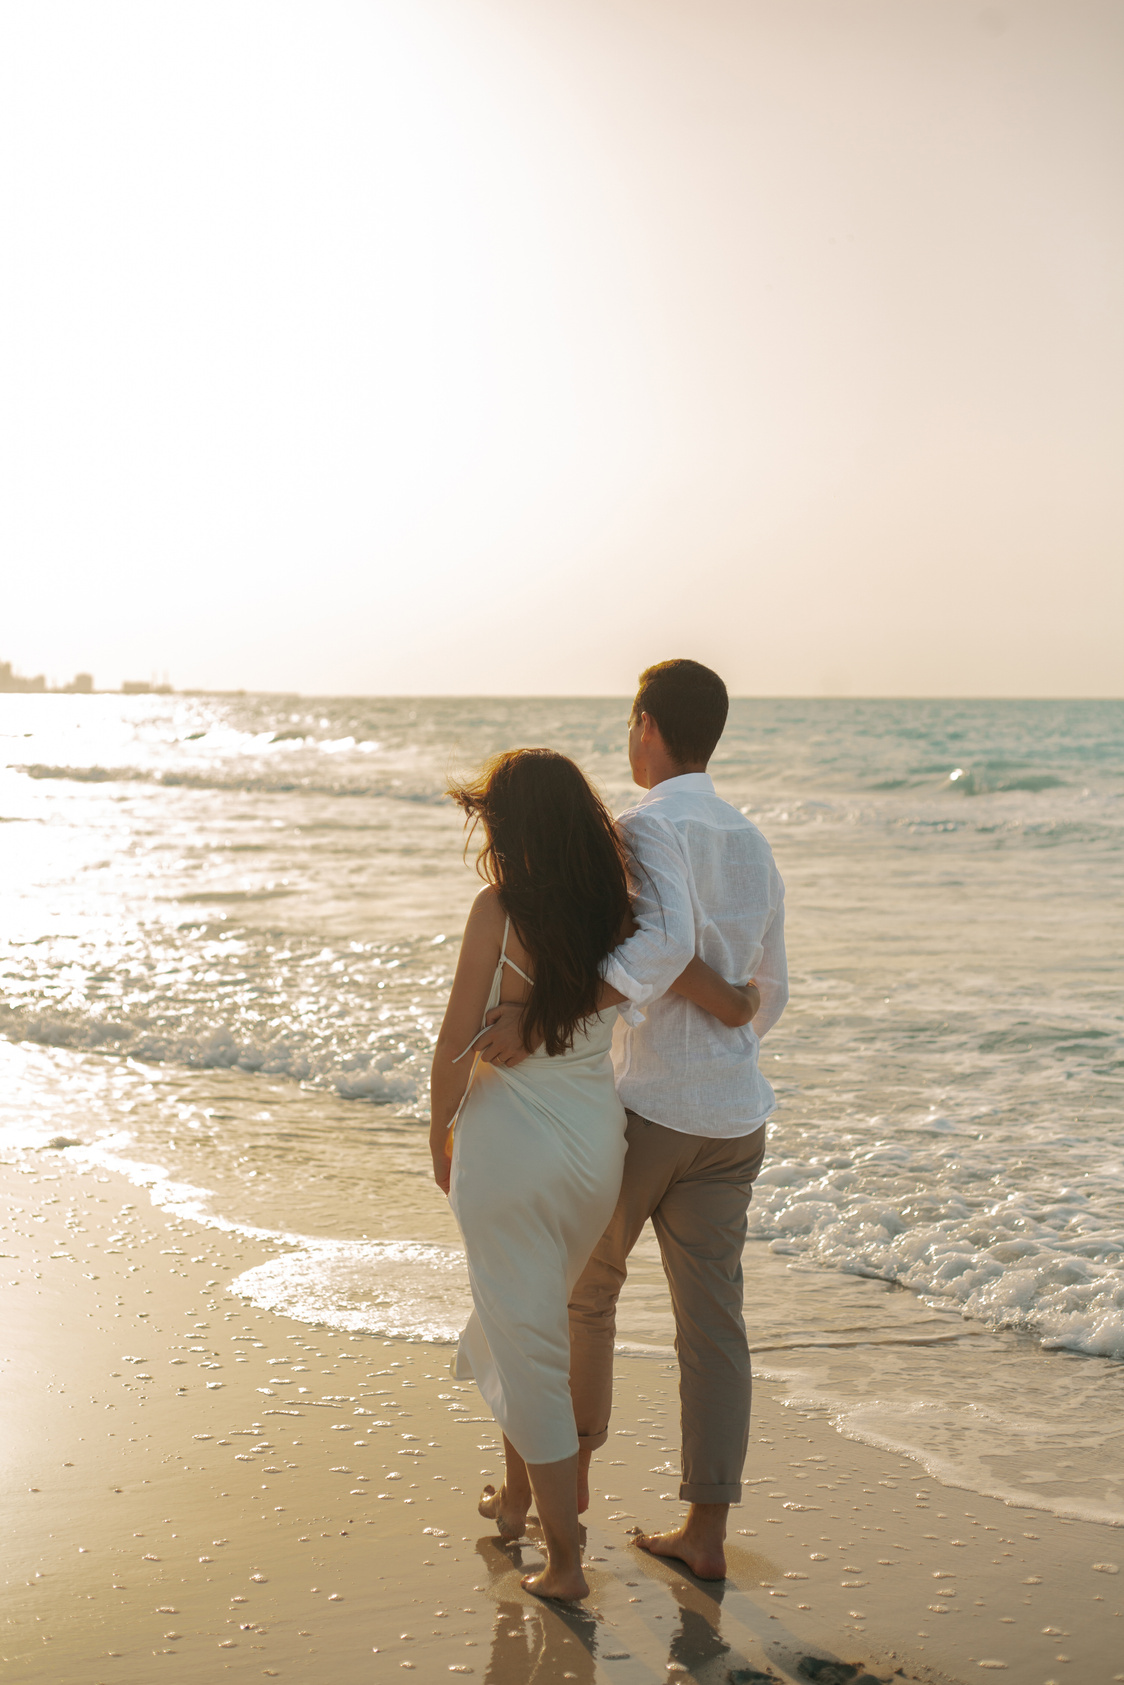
[644,966]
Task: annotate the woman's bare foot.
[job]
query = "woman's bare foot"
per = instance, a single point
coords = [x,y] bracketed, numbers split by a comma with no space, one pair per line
[704,1556]
[510,1518]
[568,1586]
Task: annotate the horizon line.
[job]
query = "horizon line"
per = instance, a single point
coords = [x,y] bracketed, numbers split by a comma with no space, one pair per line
[554,695]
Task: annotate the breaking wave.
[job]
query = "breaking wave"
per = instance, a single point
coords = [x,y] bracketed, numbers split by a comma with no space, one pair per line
[942,1219]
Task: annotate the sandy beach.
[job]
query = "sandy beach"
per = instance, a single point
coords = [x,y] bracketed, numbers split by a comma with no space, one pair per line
[197,1489]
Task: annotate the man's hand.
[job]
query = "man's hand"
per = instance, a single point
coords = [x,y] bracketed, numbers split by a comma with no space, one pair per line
[502,1042]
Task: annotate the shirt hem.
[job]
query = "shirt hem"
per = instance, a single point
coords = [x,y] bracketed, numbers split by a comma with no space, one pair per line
[733,1131]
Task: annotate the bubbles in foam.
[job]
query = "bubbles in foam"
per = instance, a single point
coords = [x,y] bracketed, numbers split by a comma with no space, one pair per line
[399,1289]
[948,1220]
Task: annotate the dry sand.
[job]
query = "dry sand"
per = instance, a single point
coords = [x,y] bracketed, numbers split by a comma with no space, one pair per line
[196,1490]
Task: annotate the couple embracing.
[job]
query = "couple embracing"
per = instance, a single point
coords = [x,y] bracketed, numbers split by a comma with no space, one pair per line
[597,1067]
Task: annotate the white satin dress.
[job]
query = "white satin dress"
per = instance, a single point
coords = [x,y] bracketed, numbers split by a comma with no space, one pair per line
[538,1153]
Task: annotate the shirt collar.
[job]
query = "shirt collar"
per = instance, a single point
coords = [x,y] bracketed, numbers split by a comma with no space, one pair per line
[690,783]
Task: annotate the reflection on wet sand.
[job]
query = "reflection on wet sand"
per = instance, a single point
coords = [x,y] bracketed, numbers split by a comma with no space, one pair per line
[770,1652]
[535,1643]
[697,1641]
[698,1650]
[672,1628]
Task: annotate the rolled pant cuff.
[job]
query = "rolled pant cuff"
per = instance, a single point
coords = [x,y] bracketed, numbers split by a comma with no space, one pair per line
[730,1494]
[592,1441]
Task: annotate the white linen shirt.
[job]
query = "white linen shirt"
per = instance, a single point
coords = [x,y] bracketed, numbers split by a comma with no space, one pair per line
[708,885]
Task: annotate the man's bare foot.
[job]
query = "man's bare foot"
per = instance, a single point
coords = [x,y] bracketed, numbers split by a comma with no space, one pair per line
[567,1586]
[510,1518]
[705,1557]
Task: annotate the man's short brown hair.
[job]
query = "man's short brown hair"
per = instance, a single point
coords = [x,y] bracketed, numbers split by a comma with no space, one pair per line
[689,705]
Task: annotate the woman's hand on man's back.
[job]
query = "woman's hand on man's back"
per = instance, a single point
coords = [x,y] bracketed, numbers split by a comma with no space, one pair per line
[733,1004]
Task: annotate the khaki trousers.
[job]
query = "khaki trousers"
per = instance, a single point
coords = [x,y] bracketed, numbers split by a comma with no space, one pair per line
[696,1190]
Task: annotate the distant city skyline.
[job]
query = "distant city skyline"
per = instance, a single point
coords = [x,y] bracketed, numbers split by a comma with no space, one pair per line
[466,347]
[13,683]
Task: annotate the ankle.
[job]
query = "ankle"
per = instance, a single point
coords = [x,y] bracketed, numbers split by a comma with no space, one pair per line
[709,1519]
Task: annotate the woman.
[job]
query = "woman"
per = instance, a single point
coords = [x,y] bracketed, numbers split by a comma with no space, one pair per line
[535,1161]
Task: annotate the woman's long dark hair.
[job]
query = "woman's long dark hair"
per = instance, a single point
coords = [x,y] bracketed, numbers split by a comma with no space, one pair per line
[561,873]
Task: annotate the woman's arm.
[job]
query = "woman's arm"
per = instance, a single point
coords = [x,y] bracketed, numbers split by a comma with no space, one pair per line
[607,995]
[480,951]
[732,1004]
[503,1044]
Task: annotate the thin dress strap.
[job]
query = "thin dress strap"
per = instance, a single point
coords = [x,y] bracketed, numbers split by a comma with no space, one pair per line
[504,959]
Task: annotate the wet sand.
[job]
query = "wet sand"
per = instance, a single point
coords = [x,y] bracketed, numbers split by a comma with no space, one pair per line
[197,1490]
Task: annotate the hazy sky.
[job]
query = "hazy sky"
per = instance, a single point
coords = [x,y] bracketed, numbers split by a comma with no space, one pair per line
[507,345]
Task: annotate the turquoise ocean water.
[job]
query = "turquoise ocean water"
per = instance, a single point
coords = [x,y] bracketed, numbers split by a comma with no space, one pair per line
[229,927]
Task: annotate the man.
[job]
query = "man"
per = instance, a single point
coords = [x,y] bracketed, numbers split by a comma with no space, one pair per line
[695,1099]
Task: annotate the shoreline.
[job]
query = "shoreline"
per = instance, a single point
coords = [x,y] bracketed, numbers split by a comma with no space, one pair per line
[175,1500]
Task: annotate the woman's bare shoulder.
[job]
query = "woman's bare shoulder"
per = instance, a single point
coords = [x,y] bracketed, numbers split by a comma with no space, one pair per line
[485,917]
